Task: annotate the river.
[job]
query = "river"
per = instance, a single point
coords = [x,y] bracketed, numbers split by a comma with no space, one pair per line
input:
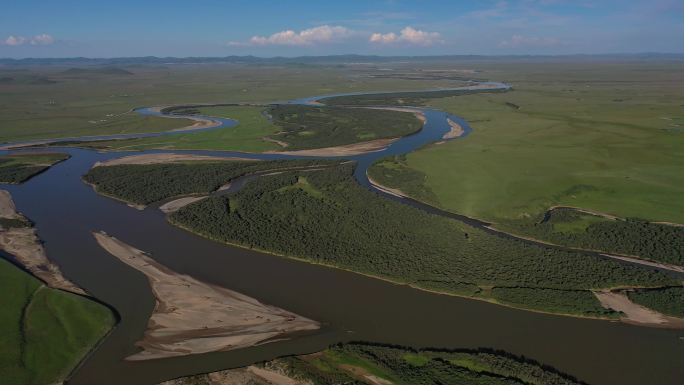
[350,306]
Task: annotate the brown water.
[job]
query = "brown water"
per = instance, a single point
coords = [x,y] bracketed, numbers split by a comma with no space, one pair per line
[350,306]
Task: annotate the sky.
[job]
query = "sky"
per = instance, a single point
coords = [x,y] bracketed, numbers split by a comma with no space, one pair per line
[99,28]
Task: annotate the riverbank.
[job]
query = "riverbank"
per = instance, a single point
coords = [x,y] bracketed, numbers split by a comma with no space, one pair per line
[165,158]
[192,317]
[19,238]
[344,150]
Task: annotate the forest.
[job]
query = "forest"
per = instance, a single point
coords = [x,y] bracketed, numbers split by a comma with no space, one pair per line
[326,217]
[145,184]
[630,236]
[306,127]
[359,363]
[409,98]
[667,300]
[18,168]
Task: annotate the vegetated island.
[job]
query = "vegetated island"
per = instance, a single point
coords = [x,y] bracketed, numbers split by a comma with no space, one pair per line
[48,322]
[372,364]
[18,168]
[192,317]
[325,217]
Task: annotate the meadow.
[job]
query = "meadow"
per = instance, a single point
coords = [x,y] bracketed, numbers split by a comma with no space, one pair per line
[40,102]
[45,332]
[600,136]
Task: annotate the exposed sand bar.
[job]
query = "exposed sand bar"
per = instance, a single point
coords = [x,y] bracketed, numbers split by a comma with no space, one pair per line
[455,131]
[393,191]
[635,313]
[23,243]
[346,150]
[165,158]
[419,114]
[179,203]
[192,317]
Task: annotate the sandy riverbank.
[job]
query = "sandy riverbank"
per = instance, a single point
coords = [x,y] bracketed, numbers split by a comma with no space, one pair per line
[635,313]
[23,243]
[165,158]
[192,317]
[345,150]
[393,191]
[455,131]
[179,203]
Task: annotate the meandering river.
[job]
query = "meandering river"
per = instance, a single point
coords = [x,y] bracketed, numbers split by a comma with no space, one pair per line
[350,306]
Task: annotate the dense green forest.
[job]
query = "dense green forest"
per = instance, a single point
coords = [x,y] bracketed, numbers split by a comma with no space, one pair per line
[363,363]
[669,300]
[409,98]
[18,168]
[326,217]
[144,184]
[631,236]
[314,127]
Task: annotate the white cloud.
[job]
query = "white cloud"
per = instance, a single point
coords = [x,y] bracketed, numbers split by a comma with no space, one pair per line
[15,40]
[42,39]
[316,35]
[517,41]
[408,35]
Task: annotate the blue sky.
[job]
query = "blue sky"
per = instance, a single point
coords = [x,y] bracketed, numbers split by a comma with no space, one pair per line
[94,28]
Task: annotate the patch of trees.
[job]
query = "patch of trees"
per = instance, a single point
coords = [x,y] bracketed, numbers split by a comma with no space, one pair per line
[336,222]
[425,366]
[20,168]
[558,301]
[144,184]
[409,98]
[630,236]
[669,300]
[315,127]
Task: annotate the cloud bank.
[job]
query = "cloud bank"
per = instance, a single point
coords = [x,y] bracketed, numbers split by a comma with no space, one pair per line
[42,39]
[408,35]
[311,36]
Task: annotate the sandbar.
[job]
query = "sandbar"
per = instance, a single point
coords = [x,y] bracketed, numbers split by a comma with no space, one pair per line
[165,158]
[193,317]
[635,313]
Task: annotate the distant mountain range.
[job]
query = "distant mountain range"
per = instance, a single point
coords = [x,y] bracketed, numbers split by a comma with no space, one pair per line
[334,59]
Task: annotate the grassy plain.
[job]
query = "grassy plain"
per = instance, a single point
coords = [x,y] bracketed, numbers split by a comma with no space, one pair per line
[51,101]
[45,332]
[18,168]
[601,136]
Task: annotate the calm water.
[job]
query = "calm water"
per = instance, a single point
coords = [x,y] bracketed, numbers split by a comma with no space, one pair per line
[350,306]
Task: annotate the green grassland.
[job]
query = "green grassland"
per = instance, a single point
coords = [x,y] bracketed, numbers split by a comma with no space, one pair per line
[248,135]
[18,168]
[50,101]
[296,214]
[361,363]
[607,137]
[45,332]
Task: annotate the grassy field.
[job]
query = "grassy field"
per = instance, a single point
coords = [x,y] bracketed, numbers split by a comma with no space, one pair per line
[248,135]
[367,364]
[296,214]
[607,137]
[45,332]
[51,101]
[18,168]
